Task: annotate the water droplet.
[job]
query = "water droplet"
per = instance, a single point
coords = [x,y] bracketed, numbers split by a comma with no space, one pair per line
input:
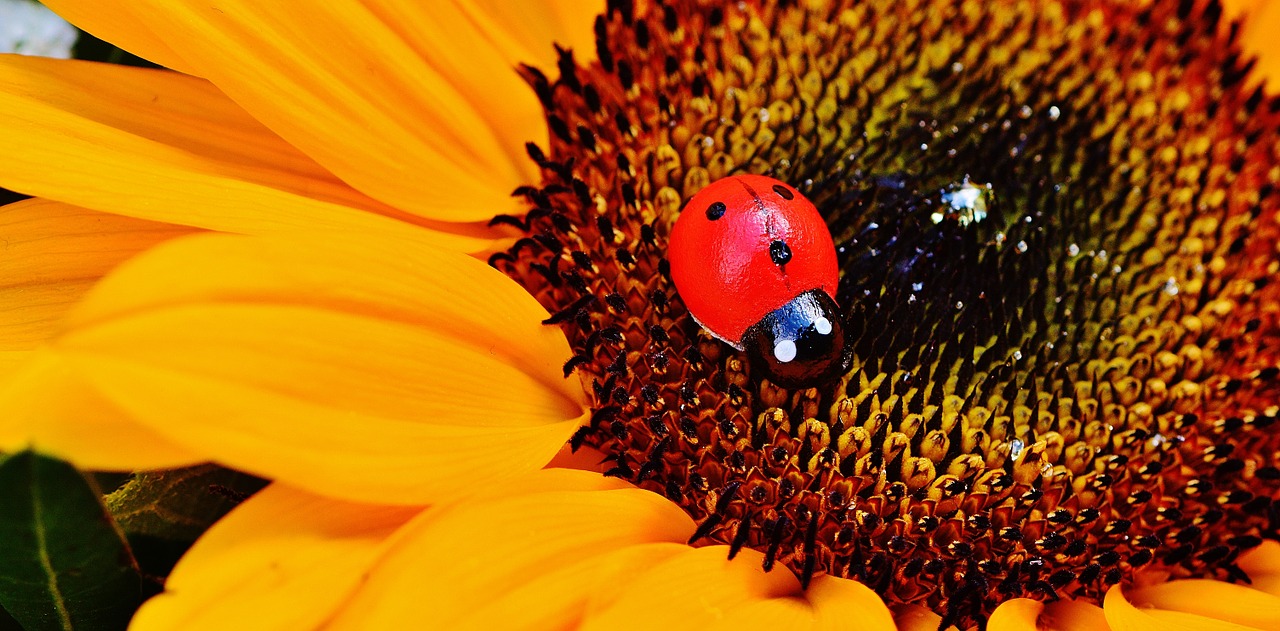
[957,67]
[1021,247]
[764,115]
[1054,112]
[1015,449]
[1017,355]
[1025,111]
[1073,249]
[967,202]
[708,142]
[1171,286]
[917,286]
[959,304]
[924,146]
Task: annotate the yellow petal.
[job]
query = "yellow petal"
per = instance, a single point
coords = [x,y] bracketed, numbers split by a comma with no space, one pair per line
[916,618]
[702,589]
[372,368]
[1018,614]
[365,88]
[1073,615]
[162,146]
[1212,599]
[534,554]
[283,560]
[526,36]
[1262,564]
[843,604]
[51,254]
[116,22]
[1261,20]
[1124,616]
[48,406]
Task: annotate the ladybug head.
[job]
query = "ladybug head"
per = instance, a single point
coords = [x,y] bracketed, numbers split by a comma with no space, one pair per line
[801,343]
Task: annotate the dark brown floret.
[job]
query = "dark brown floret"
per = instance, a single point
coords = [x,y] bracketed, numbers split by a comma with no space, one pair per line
[1056,225]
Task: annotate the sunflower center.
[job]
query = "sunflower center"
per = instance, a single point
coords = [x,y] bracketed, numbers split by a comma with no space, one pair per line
[1056,224]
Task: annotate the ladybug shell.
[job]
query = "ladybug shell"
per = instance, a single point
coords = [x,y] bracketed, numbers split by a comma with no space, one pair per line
[767,246]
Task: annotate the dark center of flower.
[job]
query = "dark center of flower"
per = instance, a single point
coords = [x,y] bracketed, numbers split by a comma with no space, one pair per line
[1056,225]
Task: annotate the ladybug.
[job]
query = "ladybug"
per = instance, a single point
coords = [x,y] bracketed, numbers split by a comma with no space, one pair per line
[754,263]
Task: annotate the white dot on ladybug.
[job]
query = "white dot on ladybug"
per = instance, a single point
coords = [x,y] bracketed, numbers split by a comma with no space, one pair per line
[822,326]
[784,351]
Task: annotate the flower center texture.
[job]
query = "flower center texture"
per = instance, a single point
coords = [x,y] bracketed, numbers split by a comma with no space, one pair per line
[1056,226]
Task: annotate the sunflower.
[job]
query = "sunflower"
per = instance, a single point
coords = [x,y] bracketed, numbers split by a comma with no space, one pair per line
[300,256]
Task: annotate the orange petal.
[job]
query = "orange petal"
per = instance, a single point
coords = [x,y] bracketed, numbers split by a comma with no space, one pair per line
[1212,599]
[370,368]
[116,22]
[283,560]
[46,405]
[1073,615]
[1018,614]
[52,254]
[1262,564]
[162,146]
[702,589]
[534,554]
[367,89]
[1124,616]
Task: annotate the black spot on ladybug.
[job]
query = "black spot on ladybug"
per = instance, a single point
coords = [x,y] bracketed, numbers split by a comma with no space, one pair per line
[783,191]
[779,252]
[716,210]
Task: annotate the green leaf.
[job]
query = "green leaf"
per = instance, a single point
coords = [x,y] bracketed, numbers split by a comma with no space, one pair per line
[63,563]
[179,505]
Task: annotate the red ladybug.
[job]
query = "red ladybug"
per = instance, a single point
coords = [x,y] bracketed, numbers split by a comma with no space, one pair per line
[755,265]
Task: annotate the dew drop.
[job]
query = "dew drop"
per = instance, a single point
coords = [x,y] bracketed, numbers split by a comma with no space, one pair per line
[1021,247]
[967,202]
[1015,449]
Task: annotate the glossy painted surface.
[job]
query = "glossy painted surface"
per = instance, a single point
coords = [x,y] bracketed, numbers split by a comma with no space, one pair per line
[799,344]
[734,270]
